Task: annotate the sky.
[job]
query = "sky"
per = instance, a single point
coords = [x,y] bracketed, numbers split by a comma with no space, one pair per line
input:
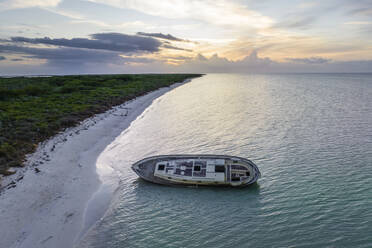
[201,36]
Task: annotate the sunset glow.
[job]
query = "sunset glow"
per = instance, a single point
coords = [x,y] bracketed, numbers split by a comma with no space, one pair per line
[121,36]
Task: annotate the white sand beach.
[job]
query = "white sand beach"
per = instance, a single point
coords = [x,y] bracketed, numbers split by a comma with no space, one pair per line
[44,204]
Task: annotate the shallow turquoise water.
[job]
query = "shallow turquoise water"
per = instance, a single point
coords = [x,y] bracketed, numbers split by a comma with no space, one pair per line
[310,135]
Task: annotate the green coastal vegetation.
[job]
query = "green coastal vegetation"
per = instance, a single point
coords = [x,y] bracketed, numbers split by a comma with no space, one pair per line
[32,109]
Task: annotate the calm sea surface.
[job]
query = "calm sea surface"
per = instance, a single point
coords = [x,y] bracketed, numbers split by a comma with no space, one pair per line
[310,135]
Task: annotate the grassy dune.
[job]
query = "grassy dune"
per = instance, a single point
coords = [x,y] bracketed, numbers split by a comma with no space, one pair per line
[34,109]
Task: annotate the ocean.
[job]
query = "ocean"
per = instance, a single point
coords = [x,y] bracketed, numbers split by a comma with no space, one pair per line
[309,134]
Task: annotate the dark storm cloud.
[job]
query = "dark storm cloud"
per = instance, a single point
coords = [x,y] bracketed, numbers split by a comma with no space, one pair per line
[100,49]
[110,42]
[71,55]
[162,36]
[101,41]
[312,60]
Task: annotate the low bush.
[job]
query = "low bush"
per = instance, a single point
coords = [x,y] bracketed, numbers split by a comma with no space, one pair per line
[34,109]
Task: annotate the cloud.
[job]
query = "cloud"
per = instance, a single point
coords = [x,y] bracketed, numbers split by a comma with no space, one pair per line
[75,56]
[361,7]
[162,36]
[362,11]
[176,48]
[358,23]
[15,4]
[101,48]
[307,5]
[312,60]
[215,63]
[89,63]
[63,55]
[255,64]
[116,42]
[200,57]
[216,12]
[296,22]
[141,60]
[101,41]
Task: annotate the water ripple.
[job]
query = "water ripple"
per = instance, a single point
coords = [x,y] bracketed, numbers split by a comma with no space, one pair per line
[310,136]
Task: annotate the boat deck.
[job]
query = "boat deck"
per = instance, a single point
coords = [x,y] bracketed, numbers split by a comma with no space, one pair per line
[202,170]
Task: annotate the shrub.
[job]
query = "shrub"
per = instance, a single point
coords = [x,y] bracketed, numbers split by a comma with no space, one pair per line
[33,109]
[7,150]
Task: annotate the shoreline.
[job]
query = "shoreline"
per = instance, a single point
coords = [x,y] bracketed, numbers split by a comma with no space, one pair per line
[48,203]
[32,110]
